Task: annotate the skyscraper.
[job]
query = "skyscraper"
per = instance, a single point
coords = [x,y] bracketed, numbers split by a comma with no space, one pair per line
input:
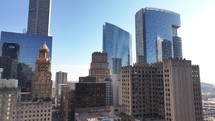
[39,17]
[99,66]
[151,23]
[168,90]
[40,107]
[117,44]
[41,81]
[27,45]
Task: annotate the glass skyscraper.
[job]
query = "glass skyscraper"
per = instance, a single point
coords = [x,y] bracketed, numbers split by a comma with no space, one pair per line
[25,47]
[28,46]
[155,31]
[117,44]
[39,17]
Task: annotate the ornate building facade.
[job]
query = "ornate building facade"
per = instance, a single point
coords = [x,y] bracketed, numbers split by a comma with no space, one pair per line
[41,80]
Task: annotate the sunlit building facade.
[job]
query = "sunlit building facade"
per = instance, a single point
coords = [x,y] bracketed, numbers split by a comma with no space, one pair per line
[151,23]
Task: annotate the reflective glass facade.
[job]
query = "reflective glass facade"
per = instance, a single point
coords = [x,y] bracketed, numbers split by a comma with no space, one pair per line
[39,17]
[150,23]
[117,43]
[29,46]
[177,47]
[167,49]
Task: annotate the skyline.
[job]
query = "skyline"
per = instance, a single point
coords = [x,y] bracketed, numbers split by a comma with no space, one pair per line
[81,27]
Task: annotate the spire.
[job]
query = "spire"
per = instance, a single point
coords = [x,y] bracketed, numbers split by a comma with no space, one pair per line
[44,52]
[44,47]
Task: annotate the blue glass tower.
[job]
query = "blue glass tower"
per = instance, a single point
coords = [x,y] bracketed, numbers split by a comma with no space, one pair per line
[117,43]
[151,23]
[29,46]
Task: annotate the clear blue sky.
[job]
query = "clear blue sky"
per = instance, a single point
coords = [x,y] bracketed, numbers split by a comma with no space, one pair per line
[76,27]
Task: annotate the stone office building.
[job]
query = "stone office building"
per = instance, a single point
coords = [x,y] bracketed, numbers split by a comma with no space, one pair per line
[169,90]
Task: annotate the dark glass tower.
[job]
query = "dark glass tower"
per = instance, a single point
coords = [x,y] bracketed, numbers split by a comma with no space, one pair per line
[151,23]
[39,17]
[117,43]
[10,50]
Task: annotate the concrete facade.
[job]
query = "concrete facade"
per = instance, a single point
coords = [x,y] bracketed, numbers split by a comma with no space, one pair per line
[9,93]
[32,111]
[168,90]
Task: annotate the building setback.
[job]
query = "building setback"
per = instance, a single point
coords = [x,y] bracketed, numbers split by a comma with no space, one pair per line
[169,90]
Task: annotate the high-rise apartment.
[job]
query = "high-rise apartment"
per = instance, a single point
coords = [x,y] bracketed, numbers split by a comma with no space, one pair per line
[151,23]
[41,81]
[117,44]
[99,66]
[168,90]
[39,17]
